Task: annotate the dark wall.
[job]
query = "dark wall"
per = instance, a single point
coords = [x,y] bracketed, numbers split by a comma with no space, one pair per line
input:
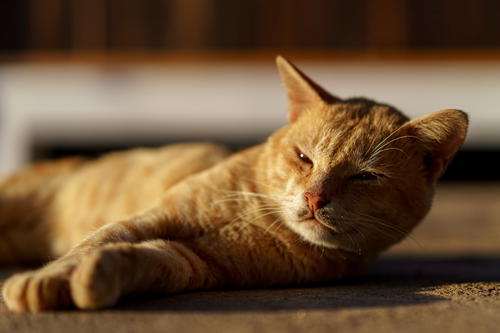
[256,24]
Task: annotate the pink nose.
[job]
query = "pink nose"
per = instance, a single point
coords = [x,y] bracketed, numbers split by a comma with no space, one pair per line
[314,201]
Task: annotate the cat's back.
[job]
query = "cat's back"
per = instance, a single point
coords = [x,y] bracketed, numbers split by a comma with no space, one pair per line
[149,168]
[121,184]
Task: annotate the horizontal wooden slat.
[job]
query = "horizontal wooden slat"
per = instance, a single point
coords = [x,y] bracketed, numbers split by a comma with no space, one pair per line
[251,56]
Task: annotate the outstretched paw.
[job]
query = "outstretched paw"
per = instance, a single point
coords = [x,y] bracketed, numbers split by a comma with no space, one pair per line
[92,279]
[35,291]
[98,281]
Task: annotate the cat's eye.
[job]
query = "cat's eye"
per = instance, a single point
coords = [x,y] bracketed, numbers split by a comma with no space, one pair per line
[303,157]
[364,176]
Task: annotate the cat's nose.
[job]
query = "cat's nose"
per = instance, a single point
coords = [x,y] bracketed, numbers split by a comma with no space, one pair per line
[314,201]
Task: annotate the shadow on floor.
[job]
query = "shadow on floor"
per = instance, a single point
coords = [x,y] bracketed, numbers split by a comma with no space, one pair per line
[439,269]
[389,282]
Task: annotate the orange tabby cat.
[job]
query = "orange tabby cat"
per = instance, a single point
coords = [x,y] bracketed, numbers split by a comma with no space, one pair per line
[316,202]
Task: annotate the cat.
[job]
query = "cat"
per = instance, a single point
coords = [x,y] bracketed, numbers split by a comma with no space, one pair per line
[315,203]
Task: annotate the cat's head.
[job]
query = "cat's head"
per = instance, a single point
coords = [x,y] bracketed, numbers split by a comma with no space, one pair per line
[355,174]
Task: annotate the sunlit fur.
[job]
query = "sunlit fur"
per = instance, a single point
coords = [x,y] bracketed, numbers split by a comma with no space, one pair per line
[193,216]
[343,140]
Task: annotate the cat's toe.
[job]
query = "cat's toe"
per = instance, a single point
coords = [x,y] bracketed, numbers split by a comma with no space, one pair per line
[36,291]
[96,283]
[14,292]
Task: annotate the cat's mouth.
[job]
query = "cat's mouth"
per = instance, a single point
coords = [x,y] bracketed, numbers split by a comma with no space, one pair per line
[307,216]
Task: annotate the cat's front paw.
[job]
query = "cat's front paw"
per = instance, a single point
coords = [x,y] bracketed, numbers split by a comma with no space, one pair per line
[99,279]
[91,281]
[35,291]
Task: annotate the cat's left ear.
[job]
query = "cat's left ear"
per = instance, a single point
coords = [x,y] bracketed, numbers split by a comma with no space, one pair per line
[441,133]
[303,93]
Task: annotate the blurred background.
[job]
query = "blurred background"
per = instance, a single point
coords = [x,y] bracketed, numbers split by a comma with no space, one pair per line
[89,76]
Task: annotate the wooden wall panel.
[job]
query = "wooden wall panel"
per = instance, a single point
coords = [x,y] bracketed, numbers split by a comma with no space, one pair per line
[249,25]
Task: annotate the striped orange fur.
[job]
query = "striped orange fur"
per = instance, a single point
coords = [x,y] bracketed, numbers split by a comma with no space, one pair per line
[318,201]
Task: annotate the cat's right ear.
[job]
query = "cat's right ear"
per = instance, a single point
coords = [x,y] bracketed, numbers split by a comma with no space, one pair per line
[303,93]
[441,133]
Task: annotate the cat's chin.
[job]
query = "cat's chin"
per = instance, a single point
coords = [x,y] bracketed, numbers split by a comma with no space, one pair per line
[315,232]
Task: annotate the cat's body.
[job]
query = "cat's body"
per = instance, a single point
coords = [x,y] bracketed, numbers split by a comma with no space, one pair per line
[70,198]
[317,202]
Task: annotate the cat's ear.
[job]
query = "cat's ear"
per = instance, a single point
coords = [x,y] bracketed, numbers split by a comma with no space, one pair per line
[442,133]
[303,93]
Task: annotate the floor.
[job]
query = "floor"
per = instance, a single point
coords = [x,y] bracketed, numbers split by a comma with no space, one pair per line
[446,277]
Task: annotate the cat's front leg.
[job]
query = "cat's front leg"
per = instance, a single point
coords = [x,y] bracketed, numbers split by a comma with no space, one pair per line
[115,270]
[99,276]
[229,256]
[49,287]
[104,274]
